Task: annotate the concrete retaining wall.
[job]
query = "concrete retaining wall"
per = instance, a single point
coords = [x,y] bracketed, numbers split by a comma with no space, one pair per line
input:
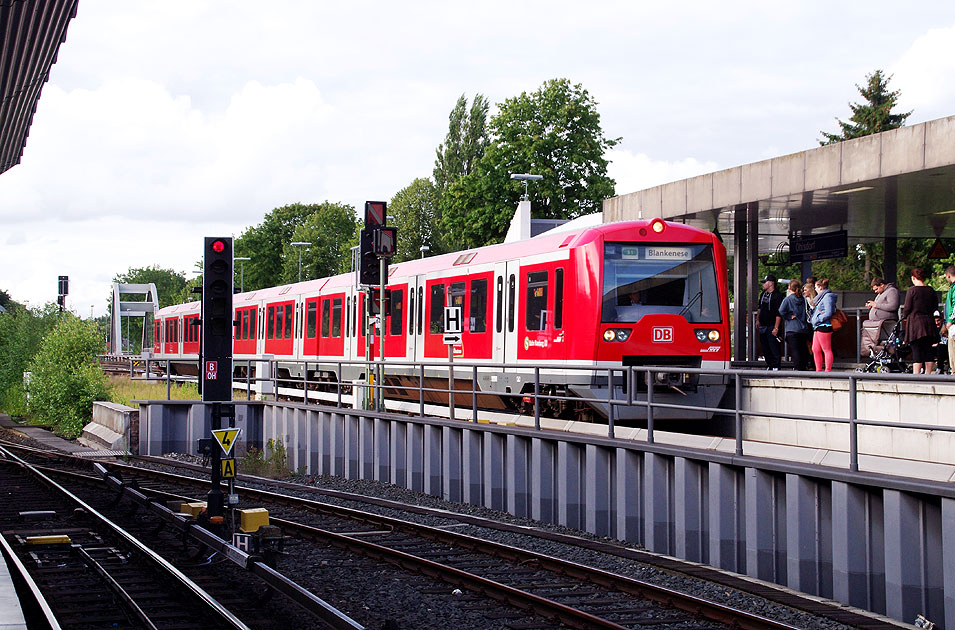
[114,427]
[905,403]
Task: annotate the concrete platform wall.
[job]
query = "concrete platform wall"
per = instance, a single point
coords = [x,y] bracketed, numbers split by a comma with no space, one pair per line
[882,543]
[902,403]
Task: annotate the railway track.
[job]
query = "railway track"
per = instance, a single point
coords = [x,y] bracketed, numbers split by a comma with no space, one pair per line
[85,571]
[568,593]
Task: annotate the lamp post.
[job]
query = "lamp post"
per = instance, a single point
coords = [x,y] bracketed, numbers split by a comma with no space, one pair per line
[424,250]
[526,177]
[300,246]
[241,260]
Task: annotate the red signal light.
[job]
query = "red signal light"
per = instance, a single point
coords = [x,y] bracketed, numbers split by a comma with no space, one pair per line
[218,247]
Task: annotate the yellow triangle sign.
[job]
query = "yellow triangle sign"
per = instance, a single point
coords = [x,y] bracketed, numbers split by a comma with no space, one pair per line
[226,438]
[938,251]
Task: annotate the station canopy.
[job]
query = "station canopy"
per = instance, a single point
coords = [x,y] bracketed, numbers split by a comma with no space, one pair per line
[31,32]
[899,183]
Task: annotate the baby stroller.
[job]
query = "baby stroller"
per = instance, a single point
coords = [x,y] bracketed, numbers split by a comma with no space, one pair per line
[889,355]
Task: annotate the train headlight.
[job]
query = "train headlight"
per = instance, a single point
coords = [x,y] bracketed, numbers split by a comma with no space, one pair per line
[707,336]
[616,334]
[657,225]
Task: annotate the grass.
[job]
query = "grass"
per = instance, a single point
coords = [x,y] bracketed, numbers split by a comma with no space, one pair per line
[124,391]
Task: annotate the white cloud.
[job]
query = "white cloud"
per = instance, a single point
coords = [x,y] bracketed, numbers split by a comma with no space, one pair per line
[639,171]
[923,75]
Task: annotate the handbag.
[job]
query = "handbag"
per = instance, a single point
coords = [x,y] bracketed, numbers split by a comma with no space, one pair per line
[838,320]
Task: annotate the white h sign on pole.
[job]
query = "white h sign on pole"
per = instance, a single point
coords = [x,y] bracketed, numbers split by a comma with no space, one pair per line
[453,319]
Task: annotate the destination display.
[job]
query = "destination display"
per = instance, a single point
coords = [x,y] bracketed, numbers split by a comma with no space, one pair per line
[819,246]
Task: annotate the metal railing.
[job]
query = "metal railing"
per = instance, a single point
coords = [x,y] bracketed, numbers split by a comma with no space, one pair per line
[653,401]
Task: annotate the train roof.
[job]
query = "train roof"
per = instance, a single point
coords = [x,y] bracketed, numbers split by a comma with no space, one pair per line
[572,234]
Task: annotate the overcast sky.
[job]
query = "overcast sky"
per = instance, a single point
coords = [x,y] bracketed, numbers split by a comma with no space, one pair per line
[164,122]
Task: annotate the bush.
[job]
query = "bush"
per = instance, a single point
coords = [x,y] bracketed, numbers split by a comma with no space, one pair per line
[66,378]
[274,465]
[21,332]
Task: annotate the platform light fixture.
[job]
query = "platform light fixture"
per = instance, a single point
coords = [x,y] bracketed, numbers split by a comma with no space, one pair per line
[526,177]
[241,260]
[301,245]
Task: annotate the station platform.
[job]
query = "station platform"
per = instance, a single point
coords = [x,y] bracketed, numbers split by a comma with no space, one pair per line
[44,436]
[11,616]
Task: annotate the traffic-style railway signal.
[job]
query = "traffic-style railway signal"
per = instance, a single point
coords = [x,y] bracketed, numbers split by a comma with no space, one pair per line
[216,328]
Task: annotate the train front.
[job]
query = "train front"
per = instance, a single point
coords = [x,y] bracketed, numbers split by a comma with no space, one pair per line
[664,302]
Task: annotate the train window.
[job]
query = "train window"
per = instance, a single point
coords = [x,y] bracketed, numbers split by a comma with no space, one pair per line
[347,316]
[337,318]
[298,321]
[675,279]
[477,317]
[559,298]
[252,323]
[262,319]
[410,311]
[499,317]
[354,316]
[397,296]
[236,323]
[246,315]
[326,317]
[364,315]
[511,294]
[311,319]
[288,321]
[436,323]
[535,302]
[271,319]
[420,310]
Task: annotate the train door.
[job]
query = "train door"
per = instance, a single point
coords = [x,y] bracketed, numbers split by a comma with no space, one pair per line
[310,344]
[505,311]
[395,340]
[411,325]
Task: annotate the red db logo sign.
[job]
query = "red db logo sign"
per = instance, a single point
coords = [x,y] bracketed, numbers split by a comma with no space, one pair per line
[662,334]
[211,369]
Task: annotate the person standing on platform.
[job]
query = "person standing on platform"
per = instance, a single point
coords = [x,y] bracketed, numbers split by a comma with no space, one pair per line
[948,327]
[770,322]
[796,322]
[940,347]
[822,326]
[920,330]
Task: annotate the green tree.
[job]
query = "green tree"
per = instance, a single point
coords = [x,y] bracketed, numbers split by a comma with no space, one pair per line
[7,302]
[554,132]
[21,332]
[265,245]
[465,143]
[415,210]
[872,116]
[66,378]
[329,228]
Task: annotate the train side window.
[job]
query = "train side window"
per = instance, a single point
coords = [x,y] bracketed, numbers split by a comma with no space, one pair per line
[246,319]
[477,317]
[326,317]
[511,294]
[559,298]
[396,300]
[436,323]
[410,311]
[311,319]
[262,319]
[420,310]
[271,319]
[337,318]
[535,302]
[364,315]
[289,313]
[499,317]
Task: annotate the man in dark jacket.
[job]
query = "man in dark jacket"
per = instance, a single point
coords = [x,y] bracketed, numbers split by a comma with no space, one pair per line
[770,322]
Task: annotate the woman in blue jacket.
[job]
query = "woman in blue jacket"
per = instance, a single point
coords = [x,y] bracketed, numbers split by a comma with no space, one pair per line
[796,324]
[822,325]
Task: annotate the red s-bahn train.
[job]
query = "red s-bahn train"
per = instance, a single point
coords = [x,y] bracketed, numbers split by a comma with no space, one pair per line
[612,295]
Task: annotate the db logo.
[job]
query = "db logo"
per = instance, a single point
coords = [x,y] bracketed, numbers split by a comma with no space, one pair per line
[662,334]
[211,369]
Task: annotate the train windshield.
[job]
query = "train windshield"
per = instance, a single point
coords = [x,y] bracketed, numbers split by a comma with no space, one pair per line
[677,279]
